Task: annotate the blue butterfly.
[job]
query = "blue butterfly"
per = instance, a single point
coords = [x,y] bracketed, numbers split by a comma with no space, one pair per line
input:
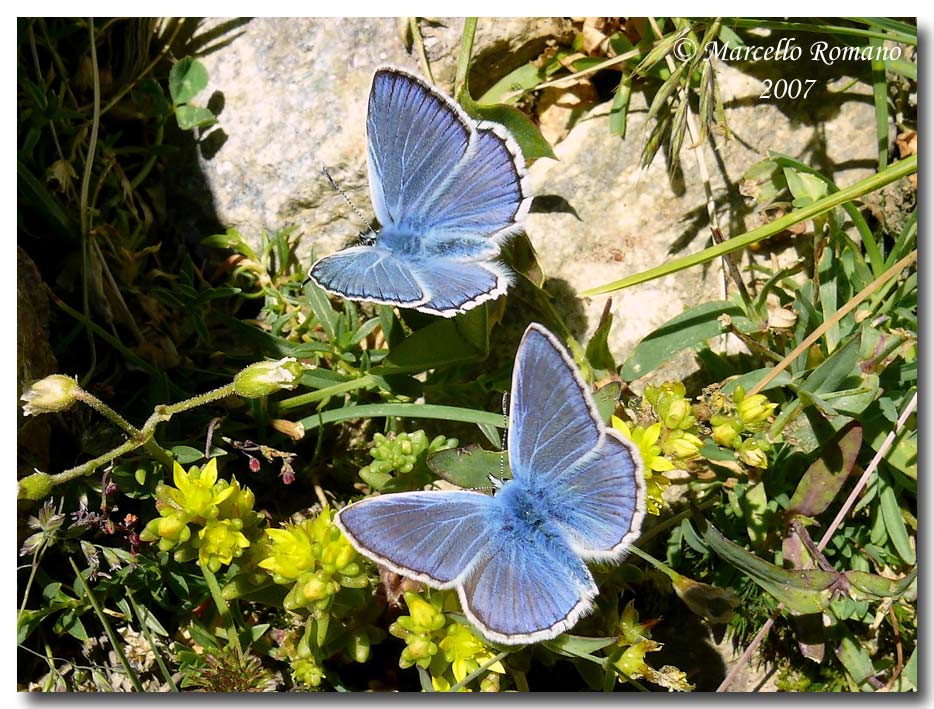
[448,191]
[517,558]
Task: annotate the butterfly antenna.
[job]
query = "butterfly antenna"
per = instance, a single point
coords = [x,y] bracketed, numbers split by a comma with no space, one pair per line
[502,443]
[367,236]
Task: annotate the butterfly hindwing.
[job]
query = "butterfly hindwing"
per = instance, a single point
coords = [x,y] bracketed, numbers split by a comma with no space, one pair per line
[602,499]
[457,284]
[526,586]
[368,273]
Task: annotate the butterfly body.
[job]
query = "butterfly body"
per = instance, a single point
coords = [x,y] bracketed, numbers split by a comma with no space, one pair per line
[447,190]
[517,558]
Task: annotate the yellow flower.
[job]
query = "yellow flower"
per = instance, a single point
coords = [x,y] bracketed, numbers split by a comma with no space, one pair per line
[752,453]
[682,445]
[219,542]
[316,558]
[195,492]
[653,462]
[466,652]
[755,410]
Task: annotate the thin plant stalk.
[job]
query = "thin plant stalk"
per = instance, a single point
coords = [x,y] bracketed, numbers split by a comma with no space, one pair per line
[108,629]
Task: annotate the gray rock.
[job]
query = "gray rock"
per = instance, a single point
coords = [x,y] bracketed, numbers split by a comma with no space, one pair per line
[34,360]
[626,220]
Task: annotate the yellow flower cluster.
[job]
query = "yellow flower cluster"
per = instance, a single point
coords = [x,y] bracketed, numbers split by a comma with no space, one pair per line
[223,511]
[316,558]
[448,650]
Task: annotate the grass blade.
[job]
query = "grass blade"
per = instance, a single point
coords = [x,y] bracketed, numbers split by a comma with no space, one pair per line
[894,172]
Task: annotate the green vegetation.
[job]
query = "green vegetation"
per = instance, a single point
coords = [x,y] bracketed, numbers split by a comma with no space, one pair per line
[198,549]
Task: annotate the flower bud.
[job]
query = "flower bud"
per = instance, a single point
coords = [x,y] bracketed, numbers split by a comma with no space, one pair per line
[55,392]
[752,453]
[682,445]
[424,615]
[293,429]
[264,378]
[755,409]
[676,413]
[727,432]
[35,486]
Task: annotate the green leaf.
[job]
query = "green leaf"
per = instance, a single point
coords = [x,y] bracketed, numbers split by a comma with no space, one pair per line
[606,398]
[185,455]
[802,591]
[903,454]
[322,308]
[577,645]
[867,586]
[805,188]
[892,173]
[908,679]
[231,239]
[187,78]
[619,109]
[598,351]
[826,475]
[748,380]
[430,411]
[444,342]
[526,133]
[691,328]
[470,467]
[194,117]
[894,522]
[521,79]
[755,508]
[856,661]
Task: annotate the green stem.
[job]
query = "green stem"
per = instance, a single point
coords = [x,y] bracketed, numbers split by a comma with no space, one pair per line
[107,412]
[152,643]
[142,437]
[37,557]
[480,670]
[84,207]
[759,24]
[325,393]
[463,59]
[429,411]
[115,641]
[664,568]
[893,172]
[166,411]
[420,47]
[233,636]
[92,465]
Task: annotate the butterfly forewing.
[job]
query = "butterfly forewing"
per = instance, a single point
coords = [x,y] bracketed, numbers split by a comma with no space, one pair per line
[430,536]
[551,422]
[589,477]
[417,139]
